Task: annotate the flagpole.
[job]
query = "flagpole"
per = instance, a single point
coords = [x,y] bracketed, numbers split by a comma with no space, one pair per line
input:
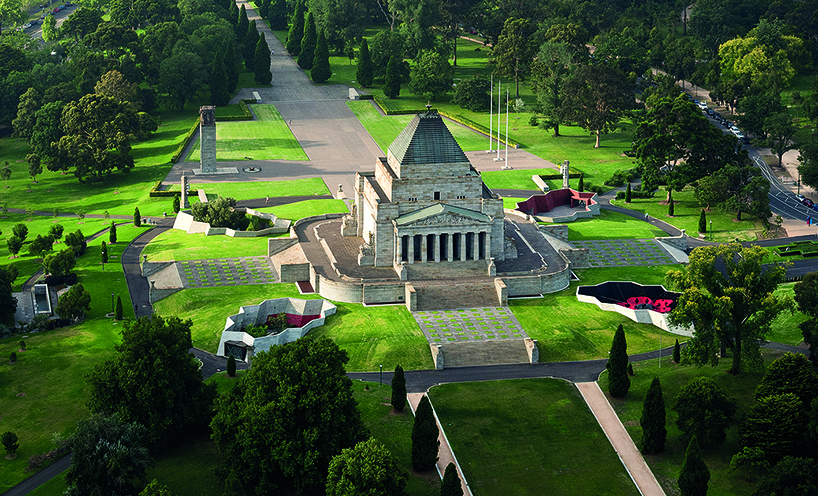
[506,128]
[499,95]
[491,111]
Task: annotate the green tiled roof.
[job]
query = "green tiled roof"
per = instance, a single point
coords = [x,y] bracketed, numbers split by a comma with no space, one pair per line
[427,140]
[438,209]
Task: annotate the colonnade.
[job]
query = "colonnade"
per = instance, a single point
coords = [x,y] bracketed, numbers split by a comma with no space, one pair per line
[442,247]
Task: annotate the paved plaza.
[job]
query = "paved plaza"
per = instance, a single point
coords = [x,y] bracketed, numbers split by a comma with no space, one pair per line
[625,252]
[225,272]
[469,324]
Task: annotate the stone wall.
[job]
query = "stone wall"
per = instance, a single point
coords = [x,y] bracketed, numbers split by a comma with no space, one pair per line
[532,350]
[678,242]
[559,231]
[580,258]
[502,292]
[437,356]
[538,284]
[384,293]
[411,298]
[276,245]
[409,171]
[184,222]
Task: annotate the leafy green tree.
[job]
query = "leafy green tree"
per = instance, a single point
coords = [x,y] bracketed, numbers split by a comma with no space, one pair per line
[61,263]
[321,71]
[755,108]
[231,366]
[730,297]
[277,15]
[109,457]
[262,61]
[41,245]
[790,477]
[670,204]
[780,131]
[10,443]
[514,51]
[119,312]
[776,425]
[231,66]
[581,186]
[170,400]
[365,71]
[220,213]
[425,444]
[791,373]
[473,94]
[451,485]
[114,84]
[677,352]
[703,222]
[81,23]
[654,432]
[177,204]
[11,12]
[307,53]
[366,468]
[76,240]
[431,75]
[74,303]
[5,174]
[30,102]
[618,380]
[806,297]
[49,29]
[398,389]
[48,129]
[704,410]
[551,72]
[14,245]
[296,33]
[383,46]
[181,75]
[35,167]
[695,475]
[154,488]
[600,95]
[112,233]
[55,231]
[813,421]
[219,94]
[20,230]
[103,252]
[303,385]
[137,217]
[391,87]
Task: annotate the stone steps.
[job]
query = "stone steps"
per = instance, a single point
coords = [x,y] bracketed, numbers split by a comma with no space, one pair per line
[447,296]
[499,352]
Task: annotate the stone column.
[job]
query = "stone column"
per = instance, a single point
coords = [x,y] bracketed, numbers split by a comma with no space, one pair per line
[437,247]
[462,246]
[488,245]
[184,203]
[398,249]
[424,249]
[475,246]
[410,246]
[207,138]
[449,247]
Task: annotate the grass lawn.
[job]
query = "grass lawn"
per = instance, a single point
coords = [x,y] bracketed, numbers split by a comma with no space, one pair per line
[784,329]
[532,436]
[567,329]
[687,211]
[611,225]
[253,190]
[267,138]
[667,465]
[176,244]
[54,487]
[299,210]
[511,202]
[513,179]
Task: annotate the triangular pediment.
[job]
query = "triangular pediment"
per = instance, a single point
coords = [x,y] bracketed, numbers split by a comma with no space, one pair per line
[441,215]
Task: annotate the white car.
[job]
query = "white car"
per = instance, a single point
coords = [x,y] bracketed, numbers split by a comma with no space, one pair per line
[703,105]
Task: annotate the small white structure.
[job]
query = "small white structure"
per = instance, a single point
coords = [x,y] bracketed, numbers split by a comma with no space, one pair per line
[308,314]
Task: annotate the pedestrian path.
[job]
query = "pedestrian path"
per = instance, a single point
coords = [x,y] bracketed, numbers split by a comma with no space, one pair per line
[625,252]
[620,439]
[469,325]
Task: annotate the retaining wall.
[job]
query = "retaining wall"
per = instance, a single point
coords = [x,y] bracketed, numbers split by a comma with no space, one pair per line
[184,222]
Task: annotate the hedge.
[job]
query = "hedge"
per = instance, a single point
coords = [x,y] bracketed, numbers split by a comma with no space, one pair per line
[156,193]
[571,175]
[177,154]
[245,110]
[389,109]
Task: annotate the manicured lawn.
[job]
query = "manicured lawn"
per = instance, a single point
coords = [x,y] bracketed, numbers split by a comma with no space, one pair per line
[267,138]
[298,210]
[611,225]
[54,487]
[511,202]
[666,466]
[567,329]
[687,211]
[253,190]
[533,436]
[513,179]
[176,244]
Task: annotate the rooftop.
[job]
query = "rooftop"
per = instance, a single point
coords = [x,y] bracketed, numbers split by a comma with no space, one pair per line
[427,140]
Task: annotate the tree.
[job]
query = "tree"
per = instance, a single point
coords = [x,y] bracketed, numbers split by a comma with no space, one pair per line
[118,310]
[704,410]
[20,230]
[59,264]
[8,302]
[806,297]
[776,425]
[391,87]
[677,352]
[366,468]
[5,174]
[220,212]
[10,443]
[50,30]
[40,245]
[600,94]
[321,71]
[76,240]
[14,244]
[30,102]
[261,64]
[618,380]
[473,94]
[103,252]
[277,15]
[514,51]
[81,23]
[670,207]
[425,444]
[74,303]
[154,488]
[114,85]
[551,72]
[780,131]
[154,380]
[451,485]
[109,457]
[181,75]
[431,75]
[48,129]
[703,222]
[242,24]
[307,53]
[11,12]
[248,46]
[695,475]
[792,373]
[654,432]
[365,71]
[808,158]
[383,46]
[790,477]
[219,93]
[137,217]
[729,297]
[398,389]
[287,417]
[34,166]
[112,233]
[231,366]
[177,204]
[296,33]
[813,421]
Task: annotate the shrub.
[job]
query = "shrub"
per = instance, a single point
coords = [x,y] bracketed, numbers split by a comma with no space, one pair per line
[630,370]
[220,213]
[13,357]
[635,193]
[9,440]
[704,410]
[652,421]
[177,204]
[112,233]
[628,194]
[703,222]
[533,121]
[398,389]
[231,366]
[677,352]
[22,344]
[137,217]
[621,177]
[118,309]
[473,94]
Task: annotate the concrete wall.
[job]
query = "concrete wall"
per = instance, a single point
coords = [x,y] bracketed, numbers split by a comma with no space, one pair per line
[640,316]
[277,245]
[559,231]
[411,298]
[678,242]
[305,220]
[384,293]
[541,184]
[537,284]
[293,272]
[184,222]
[502,292]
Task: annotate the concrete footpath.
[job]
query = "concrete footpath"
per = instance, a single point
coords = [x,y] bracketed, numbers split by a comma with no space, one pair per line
[639,471]
[445,453]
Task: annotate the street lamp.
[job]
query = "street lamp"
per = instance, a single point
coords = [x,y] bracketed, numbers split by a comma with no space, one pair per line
[711,230]
[112,303]
[380,377]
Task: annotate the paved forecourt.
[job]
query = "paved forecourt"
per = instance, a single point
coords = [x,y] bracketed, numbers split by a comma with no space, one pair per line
[625,252]
[469,324]
[225,272]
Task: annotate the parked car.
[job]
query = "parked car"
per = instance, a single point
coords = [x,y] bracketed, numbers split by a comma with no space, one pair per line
[807,202]
[702,105]
[745,140]
[800,198]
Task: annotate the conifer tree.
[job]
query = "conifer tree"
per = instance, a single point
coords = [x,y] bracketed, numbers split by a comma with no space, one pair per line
[263,8]
[581,184]
[677,352]
[618,380]
[248,45]
[177,204]
[103,252]
[296,33]
[231,366]
[118,311]
[703,222]
[233,13]
[450,485]
[242,24]
[277,15]
[262,61]
[366,71]
[111,233]
[307,53]
[321,71]
[137,217]
[391,86]
[231,66]
[695,475]
[424,437]
[654,432]
[670,203]
[398,389]
[628,194]
[218,82]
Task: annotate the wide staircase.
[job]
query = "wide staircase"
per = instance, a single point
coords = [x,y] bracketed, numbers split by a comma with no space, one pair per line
[448,295]
[500,352]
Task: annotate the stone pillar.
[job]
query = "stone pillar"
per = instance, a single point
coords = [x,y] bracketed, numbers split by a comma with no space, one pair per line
[184,203]
[410,247]
[207,138]
[564,169]
[488,245]
[475,246]
[449,247]
[398,249]
[462,246]
[437,247]
[424,249]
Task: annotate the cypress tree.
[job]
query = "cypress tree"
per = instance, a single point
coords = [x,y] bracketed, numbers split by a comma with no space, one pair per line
[703,222]
[677,352]
[218,84]
[231,66]
[296,33]
[112,233]
[231,366]
[391,86]
[398,389]
[277,15]
[365,72]
[307,53]
[118,312]
[670,204]
[694,476]
[248,46]
[630,369]
[321,71]
[233,13]
[264,8]
[103,252]
[137,217]
[242,24]
[424,437]
[262,61]
[618,380]
[177,204]
[628,194]
[654,432]
[581,184]
[450,485]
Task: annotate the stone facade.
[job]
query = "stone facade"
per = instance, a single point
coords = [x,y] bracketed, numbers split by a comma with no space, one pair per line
[207,138]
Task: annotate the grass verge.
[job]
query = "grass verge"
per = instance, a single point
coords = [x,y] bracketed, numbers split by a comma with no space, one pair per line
[307,208]
[611,225]
[176,244]
[253,190]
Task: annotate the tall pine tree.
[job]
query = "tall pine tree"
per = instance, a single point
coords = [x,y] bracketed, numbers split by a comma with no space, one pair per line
[695,475]
[218,81]
[654,432]
[263,8]
[670,208]
[703,222]
[262,61]
[424,437]
[248,45]
[321,71]
[398,389]
[628,194]
[233,13]
[296,34]
[365,72]
[307,53]
[242,24]
[277,15]
[618,380]
[231,66]
[391,86]
[450,485]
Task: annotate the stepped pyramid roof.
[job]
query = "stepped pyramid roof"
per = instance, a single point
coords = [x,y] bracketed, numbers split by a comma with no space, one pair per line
[426,140]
